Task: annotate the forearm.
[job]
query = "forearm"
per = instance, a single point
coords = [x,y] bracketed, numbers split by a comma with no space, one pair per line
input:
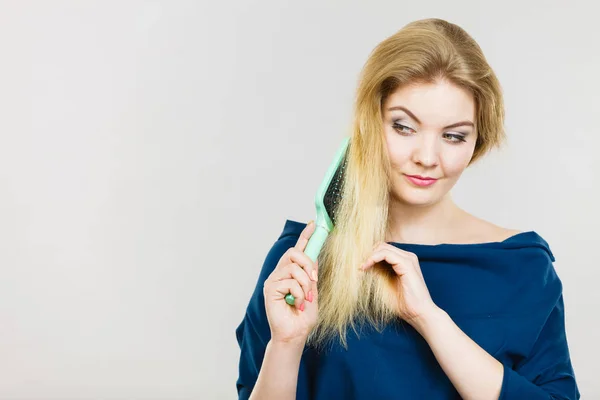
[474,373]
[278,375]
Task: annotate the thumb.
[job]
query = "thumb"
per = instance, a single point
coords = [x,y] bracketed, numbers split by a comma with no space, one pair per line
[305,235]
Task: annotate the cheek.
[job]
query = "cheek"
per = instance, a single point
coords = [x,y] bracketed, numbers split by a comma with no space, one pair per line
[399,152]
[454,162]
[399,156]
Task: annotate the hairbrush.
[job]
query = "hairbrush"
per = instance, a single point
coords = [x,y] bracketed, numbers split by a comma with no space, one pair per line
[327,200]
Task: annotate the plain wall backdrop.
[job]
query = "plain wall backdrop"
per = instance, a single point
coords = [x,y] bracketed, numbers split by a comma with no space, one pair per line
[151,152]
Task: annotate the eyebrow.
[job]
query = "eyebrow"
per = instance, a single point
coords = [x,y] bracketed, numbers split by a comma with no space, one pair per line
[406,110]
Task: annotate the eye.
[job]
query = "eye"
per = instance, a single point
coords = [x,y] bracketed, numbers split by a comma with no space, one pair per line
[402,129]
[455,138]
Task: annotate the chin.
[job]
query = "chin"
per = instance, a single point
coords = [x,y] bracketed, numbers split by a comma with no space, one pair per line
[416,197]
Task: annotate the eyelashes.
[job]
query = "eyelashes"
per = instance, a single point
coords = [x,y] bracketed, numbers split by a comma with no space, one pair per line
[400,128]
[405,130]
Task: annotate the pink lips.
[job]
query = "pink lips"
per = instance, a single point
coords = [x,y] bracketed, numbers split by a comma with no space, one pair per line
[421,181]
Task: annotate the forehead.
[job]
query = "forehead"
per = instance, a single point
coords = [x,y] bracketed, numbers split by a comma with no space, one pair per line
[441,102]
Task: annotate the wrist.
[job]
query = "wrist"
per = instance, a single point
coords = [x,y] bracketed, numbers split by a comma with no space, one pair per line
[429,321]
[292,345]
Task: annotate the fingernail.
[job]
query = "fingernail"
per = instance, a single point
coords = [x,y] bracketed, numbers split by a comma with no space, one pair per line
[314,275]
[312,221]
[310,296]
[301,307]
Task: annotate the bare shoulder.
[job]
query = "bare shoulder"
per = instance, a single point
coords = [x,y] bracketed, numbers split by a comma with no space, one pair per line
[505,233]
[478,230]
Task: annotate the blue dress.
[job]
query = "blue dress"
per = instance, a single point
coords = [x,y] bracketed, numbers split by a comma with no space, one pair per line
[506,296]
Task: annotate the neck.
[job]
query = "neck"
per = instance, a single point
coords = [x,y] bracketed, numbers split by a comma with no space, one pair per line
[430,224]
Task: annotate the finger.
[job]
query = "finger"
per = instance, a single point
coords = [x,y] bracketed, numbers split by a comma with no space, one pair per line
[314,292]
[297,256]
[294,271]
[282,288]
[412,258]
[383,255]
[305,235]
[402,252]
[392,248]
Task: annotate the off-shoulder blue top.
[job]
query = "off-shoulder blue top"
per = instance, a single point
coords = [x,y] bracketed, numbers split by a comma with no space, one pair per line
[506,296]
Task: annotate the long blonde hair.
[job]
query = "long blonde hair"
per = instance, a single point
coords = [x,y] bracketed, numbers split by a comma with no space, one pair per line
[422,51]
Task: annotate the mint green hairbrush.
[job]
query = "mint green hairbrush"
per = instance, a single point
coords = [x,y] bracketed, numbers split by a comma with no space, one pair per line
[327,200]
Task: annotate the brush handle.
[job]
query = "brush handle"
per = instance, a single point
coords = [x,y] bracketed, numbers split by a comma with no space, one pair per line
[313,248]
[316,241]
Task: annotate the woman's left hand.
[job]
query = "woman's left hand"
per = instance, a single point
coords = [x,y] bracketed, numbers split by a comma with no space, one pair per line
[414,300]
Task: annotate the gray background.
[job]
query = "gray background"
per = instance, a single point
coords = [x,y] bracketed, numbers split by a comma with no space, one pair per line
[152,150]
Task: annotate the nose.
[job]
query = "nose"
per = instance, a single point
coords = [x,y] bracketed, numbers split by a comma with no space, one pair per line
[426,152]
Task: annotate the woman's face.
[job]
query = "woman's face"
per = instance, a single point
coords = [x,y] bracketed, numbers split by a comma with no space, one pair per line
[429,132]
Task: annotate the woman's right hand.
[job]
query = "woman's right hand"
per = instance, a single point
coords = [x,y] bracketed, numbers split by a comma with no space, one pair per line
[297,274]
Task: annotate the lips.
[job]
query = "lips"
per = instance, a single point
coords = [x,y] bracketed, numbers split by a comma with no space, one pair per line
[419,180]
[423,178]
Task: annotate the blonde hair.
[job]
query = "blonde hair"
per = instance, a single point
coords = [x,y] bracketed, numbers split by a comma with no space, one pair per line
[422,51]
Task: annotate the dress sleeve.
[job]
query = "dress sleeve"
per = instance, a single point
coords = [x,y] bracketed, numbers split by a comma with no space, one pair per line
[254,332]
[547,372]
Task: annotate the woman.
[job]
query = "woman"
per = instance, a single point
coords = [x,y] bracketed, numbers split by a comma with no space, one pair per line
[411,297]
